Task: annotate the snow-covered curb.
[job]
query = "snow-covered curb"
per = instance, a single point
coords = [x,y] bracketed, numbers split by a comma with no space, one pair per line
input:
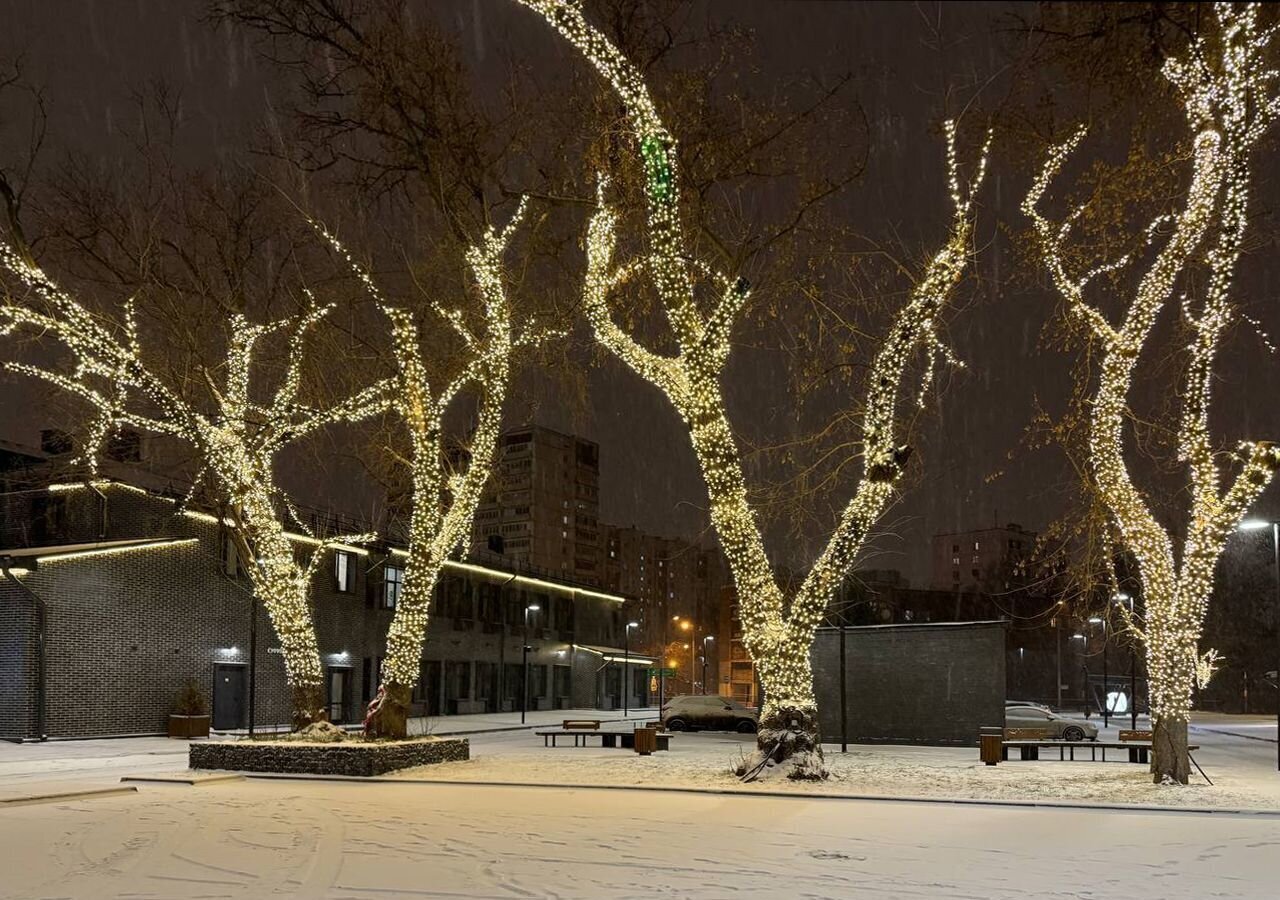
[789,795]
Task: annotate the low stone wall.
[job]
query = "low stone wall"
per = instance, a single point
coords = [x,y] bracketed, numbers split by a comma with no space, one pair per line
[326,759]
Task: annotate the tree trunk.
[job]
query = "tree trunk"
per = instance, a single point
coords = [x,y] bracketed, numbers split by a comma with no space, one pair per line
[308,705]
[388,714]
[788,743]
[1170,760]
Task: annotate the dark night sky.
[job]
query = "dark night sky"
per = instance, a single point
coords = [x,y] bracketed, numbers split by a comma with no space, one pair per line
[90,56]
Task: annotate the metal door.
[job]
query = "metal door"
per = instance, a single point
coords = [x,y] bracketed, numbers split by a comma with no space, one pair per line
[228,697]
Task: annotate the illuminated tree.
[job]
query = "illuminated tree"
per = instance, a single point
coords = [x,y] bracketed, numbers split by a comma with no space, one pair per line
[237,435]
[1227,95]
[445,487]
[778,630]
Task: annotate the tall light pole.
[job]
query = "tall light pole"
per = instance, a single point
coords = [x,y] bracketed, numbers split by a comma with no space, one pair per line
[1254,525]
[524,685]
[1106,691]
[705,638]
[626,668]
[1084,668]
[1133,668]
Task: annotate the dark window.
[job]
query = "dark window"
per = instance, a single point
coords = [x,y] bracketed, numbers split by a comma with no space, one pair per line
[56,442]
[392,585]
[125,446]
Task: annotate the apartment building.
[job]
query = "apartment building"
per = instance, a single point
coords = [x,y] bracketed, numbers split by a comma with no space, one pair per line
[981,559]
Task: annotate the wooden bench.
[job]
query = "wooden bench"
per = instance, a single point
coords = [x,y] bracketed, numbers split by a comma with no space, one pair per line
[581,724]
[625,739]
[1142,744]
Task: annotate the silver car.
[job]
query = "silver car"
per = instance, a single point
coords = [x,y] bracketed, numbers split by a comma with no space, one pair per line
[715,713]
[1057,727]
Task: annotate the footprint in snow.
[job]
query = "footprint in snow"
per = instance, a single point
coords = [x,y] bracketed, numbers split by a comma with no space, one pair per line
[832,854]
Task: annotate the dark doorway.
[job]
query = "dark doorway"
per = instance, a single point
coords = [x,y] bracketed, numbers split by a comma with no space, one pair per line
[338,694]
[228,697]
[429,686]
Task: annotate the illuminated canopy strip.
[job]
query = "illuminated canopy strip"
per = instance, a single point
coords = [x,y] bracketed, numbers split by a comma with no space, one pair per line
[1229,99]
[778,641]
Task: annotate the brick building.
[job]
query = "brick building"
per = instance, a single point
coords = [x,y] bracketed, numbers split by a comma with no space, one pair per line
[114,597]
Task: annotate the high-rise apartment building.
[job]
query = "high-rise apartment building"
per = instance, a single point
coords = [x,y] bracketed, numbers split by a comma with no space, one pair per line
[984,559]
[543,502]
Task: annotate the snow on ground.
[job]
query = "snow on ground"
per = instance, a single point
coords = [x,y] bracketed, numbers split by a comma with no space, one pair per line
[356,841]
[1243,772]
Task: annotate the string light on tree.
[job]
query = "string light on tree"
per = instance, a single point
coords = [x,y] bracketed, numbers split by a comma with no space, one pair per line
[443,499]
[237,439]
[778,634]
[1229,100]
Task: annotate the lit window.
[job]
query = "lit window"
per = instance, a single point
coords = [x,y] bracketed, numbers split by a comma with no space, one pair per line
[343,574]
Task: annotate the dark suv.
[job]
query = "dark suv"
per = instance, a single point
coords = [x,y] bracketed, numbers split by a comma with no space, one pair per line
[714,713]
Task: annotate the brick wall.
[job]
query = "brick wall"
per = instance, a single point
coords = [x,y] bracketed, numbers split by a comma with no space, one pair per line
[912,684]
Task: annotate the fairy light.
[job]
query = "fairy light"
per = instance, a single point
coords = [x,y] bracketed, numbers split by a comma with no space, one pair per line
[778,634]
[237,443]
[442,504]
[1224,88]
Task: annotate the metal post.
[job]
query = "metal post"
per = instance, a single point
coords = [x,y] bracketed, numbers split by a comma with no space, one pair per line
[692,656]
[1106,690]
[844,704]
[1275,538]
[1133,688]
[1059,687]
[253,660]
[626,670]
[524,664]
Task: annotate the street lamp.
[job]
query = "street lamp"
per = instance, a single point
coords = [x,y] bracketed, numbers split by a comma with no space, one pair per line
[705,638]
[524,687]
[1123,598]
[1106,688]
[1257,525]
[626,667]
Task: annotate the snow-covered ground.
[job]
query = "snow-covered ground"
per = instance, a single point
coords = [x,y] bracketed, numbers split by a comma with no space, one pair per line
[1243,772]
[360,841]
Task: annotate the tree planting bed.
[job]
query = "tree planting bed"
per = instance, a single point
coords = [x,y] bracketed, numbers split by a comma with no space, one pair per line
[340,758]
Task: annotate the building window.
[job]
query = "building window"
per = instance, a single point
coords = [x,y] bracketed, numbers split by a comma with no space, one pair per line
[977,546]
[344,579]
[392,585]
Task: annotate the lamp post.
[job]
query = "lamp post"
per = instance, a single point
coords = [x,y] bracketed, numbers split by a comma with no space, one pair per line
[626,668]
[1133,669]
[1254,525]
[1084,669]
[705,638]
[524,681]
[1106,691]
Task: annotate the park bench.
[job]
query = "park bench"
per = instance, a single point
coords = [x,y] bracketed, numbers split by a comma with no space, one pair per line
[625,739]
[994,747]
[1141,741]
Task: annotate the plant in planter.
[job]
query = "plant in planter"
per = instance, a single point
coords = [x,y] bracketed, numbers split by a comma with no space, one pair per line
[190,716]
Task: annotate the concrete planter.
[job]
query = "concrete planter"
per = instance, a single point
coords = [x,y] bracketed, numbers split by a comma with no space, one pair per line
[354,758]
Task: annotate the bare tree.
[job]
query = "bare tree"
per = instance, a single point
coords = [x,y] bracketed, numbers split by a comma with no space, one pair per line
[1228,100]
[778,630]
[445,483]
[237,432]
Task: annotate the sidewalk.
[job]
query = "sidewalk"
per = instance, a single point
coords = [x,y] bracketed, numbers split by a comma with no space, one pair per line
[452,726]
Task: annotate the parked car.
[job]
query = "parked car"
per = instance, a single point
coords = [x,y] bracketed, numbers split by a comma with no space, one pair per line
[713,713]
[1009,703]
[1058,727]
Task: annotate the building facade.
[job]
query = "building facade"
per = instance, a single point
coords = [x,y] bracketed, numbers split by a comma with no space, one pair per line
[114,597]
[541,509]
[983,559]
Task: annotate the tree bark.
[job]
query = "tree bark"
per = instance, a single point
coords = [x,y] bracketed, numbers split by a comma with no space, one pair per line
[788,743]
[388,714]
[308,705]
[1170,760]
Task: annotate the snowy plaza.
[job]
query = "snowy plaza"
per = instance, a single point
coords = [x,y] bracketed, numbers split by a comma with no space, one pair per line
[639,449]
[465,830]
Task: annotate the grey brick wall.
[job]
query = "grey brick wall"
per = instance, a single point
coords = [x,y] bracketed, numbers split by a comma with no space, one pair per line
[912,684]
[127,629]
